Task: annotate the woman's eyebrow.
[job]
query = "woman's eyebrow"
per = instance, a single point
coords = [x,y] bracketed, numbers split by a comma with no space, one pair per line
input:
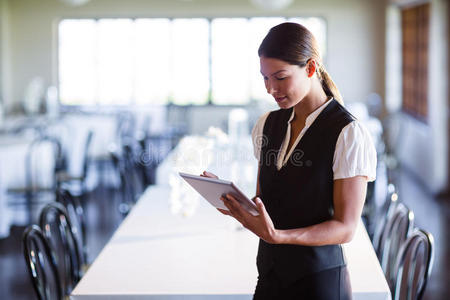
[275,73]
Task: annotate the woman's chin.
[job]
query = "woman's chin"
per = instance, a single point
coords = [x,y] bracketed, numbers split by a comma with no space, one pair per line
[284,104]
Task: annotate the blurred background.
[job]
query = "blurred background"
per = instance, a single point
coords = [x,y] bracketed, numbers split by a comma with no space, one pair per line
[82,81]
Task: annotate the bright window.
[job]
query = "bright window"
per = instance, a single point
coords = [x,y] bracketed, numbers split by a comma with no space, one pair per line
[159,60]
[190,68]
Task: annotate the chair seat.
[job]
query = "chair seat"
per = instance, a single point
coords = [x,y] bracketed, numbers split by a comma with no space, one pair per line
[34,198]
[65,177]
[28,189]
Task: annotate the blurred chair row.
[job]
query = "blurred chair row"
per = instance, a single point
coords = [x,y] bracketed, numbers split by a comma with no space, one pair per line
[55,251]
[405,252]
[136,156]
[34,194]
[133,154]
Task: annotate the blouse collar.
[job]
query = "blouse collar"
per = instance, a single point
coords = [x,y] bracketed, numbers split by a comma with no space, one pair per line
[312,116]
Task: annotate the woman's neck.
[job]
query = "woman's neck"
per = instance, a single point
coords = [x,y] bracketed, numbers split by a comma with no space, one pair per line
[315,98]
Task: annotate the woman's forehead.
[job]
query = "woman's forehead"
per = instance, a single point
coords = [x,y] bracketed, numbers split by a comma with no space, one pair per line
[270,65]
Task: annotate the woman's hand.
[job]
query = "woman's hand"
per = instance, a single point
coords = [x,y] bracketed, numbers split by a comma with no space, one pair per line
[260,225]
[209,175]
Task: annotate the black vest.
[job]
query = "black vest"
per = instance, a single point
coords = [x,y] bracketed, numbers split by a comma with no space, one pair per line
[300,194]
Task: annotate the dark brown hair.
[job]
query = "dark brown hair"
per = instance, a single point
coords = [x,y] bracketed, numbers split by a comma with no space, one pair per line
[296,45]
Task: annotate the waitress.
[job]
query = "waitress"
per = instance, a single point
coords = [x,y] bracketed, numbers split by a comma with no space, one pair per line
[315,160]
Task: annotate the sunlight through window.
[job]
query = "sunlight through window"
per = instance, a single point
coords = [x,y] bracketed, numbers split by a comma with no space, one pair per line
[230,61]
[149,61]
[190,68]
[152,78]
[77,65]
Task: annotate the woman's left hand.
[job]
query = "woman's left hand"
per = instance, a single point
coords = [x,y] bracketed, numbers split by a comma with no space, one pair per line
[260,225]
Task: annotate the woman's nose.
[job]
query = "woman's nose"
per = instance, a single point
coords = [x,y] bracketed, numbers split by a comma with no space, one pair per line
[271,88]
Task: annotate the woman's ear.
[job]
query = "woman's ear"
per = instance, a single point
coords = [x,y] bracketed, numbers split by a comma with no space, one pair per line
[311,67]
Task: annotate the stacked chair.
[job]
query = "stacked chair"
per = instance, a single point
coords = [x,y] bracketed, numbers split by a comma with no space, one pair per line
[41,264]
[55,251]
[414,264]
[405,252]
[77,184]
[75,212]
[132,182]
[33,194]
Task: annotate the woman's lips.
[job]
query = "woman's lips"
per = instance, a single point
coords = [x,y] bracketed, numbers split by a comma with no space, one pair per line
[279,99]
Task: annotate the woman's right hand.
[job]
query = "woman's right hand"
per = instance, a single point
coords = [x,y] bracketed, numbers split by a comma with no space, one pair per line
[209,175]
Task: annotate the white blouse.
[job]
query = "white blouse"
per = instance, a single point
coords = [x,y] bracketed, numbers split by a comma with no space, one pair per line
[354,155]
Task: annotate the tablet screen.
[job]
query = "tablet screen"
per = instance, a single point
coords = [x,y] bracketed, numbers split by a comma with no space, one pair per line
[212,189]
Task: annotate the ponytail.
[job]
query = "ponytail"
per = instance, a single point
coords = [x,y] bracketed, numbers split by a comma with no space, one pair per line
[328,85]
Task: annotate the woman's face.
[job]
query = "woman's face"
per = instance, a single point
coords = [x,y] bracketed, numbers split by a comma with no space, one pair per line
[287,83]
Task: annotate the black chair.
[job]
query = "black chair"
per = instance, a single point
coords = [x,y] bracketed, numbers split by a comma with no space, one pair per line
[41,264]
[145,164]
[32,194]
[397,230]
[77,219]
[156,148]
[131,156]
[377,200]
[128,195]
[77,184]
[414,266]
[382,216]
[57,229]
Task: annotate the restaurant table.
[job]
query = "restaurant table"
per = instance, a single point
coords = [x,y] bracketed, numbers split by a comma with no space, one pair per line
[158,254]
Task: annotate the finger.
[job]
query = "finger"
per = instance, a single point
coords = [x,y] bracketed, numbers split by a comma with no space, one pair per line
[224,211]
[237,207]
[233,210]
[227,204]
[209,174]
[260,207]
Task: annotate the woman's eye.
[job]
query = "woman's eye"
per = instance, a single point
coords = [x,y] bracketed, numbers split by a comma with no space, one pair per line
[280,78]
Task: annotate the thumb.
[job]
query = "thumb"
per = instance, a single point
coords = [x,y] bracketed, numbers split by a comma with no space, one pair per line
[260,206]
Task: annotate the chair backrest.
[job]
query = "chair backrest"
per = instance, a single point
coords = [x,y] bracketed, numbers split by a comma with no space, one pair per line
[77,219]
[134,167]
[87,145]
[144,162]
[378,199]
[414,265]
[32,158]
[385,214]
[126,186]
[397,231]
[57,228]
[41,264]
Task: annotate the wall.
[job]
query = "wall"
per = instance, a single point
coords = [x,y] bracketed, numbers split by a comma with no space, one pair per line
[2,17]
[355,34]
[423,147]
[5,74]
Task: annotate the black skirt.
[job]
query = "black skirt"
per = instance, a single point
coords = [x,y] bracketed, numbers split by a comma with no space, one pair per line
[331,284]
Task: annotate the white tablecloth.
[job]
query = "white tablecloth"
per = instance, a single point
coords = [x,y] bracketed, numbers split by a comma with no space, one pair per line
[174,245]
[155,254]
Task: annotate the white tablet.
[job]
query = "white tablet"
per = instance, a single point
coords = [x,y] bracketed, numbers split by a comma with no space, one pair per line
[212,189]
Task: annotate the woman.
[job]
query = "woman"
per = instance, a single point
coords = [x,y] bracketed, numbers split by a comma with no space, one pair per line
[314,163]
